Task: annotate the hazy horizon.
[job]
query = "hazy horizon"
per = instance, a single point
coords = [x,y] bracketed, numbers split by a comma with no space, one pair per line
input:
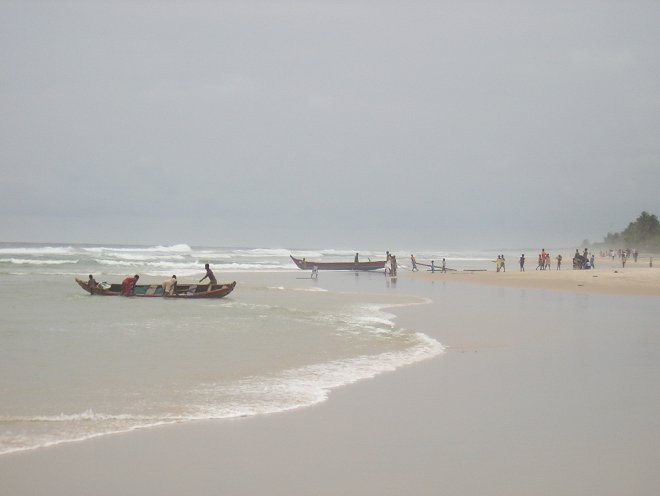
[337,124]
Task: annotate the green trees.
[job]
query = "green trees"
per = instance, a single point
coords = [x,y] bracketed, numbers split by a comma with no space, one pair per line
[643,233]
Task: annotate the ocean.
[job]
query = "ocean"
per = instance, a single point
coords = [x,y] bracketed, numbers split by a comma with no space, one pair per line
[75,366]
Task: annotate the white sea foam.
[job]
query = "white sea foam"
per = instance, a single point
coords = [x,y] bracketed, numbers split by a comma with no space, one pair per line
[181,248]
[141,257]
[312,384]
[86,416]
[31,261]
[288,390]
[304,290]
[262,252]
[37,250]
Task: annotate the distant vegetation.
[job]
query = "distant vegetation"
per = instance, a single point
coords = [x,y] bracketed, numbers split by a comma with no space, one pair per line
[643,234]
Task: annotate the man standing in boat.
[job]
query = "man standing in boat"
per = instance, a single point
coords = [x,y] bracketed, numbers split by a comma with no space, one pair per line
[209,274]
[91,284]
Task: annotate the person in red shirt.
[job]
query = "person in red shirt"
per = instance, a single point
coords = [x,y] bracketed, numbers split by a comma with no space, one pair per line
[128,284]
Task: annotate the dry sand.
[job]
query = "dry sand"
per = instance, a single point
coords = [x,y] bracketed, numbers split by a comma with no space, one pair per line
[608,278]
[539,393]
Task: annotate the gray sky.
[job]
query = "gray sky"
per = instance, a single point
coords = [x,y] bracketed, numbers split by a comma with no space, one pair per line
[328,123]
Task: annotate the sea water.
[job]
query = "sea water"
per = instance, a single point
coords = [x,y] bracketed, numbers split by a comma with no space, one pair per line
[75,366]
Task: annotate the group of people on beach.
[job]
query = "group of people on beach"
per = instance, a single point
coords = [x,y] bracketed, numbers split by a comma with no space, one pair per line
[434,267]
[544,261]
[584,261]
[622,254]
[169,285]
[390,264]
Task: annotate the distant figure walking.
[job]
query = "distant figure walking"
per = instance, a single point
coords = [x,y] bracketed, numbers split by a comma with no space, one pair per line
[558,262]
[209,274]
[128,285]
[413,262]
[444,266]
[357,257]
[522,262]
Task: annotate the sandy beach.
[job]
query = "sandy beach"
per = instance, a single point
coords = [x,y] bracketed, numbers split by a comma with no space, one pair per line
[549,385]
[609,277]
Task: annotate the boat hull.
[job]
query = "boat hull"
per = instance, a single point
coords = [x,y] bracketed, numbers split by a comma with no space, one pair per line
[308,265]
[185,291]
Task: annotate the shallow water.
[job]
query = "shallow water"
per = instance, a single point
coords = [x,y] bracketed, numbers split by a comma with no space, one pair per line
[74,366]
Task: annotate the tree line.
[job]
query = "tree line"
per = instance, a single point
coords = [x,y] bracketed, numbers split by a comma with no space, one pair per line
[643,233]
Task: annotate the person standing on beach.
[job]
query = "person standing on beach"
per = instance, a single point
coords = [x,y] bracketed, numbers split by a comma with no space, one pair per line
[209,274]
[444,267]
[558,262]
[522,263]
[414,263]
[503,263]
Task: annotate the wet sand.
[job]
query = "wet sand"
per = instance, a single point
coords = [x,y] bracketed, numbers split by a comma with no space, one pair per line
[547,387]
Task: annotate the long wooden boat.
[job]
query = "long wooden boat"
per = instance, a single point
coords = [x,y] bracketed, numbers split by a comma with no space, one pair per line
[157,290]
[309,265]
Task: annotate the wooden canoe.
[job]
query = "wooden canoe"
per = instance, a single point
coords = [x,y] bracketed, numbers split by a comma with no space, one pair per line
[157,291]
[309,265]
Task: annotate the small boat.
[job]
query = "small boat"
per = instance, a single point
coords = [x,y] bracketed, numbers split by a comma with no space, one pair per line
[308,265]
[157,290]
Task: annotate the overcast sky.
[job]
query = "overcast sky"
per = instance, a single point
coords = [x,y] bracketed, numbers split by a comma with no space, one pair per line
[356,124]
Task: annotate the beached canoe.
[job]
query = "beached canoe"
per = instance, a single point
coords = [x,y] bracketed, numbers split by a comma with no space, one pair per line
[309,265]
[156,290]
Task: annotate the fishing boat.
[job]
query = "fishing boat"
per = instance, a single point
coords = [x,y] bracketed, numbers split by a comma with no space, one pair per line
[309,265]
[157,290]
